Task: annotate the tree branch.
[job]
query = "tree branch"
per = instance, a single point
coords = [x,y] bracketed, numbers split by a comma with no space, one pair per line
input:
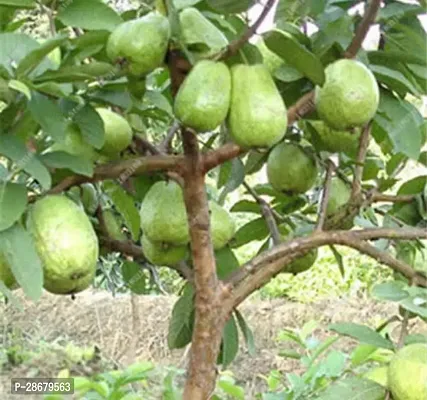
[213,158]
[267,213]
[363,28]
[237,44]
[325,197]
[361,156]
[145,145]
[388,198]
[303,106]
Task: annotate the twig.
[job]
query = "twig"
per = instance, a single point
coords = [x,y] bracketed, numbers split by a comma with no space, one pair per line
[145,145]
[363,28]
[325,196]
[403,329]
[302,107]
[235,45]
[267,213]
[166,145]
[213,158]
[380,197]
[50,15]
[361,156]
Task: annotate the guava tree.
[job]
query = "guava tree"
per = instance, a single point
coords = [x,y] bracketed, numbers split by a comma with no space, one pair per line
[113,127]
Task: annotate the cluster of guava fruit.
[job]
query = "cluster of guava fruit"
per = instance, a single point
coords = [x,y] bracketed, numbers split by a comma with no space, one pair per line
[406,374]
[165,226]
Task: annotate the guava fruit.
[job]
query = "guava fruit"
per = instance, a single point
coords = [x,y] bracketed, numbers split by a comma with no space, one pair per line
[88,197]
[303,263]
[163,214]
[203,99]
[337,141]
[6,275]
[142,43]
[112,225]
[350,95]
[378,375]
[161,253]
[118,133]
[257,115]
[223,227]
[65,242]
[201,36]
[75,145]
[339,194]
[290,169]
[407,373]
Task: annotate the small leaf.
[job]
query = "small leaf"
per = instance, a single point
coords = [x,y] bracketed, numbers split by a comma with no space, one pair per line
[246,206]
[90,15]
[16,151]
[134,277]
[231,6]
[394,79]
[362,333]
[20,87]
[295,54]
[390,291]
[91,125]
[339,259]
[159,100]
[59,159]
[255,162]
[125,206]
[18,3]
[230,343]
[226,262]
[13,201]
[253,230]
[235,179]
[247,332]
[18,248]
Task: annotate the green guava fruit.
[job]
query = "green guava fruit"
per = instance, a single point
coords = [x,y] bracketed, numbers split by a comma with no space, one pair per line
[339,195]
[350,95]
[163,214]
[257,115]
[407,373]
[290,169]
[203,99]
[141,42]
[118,132]
[223,227]
[337,141]
[161,253]
[6,275]
[75,145]
[201,36]
[303,263]
[112,225]
[409,214]
[65,242]
[88,197]
[378,375]
[270,59]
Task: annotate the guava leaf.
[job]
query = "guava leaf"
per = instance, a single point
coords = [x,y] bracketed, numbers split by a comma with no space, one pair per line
[60,159]
[353,389]
[18,247]
[256,229]
[247,332]
[230,343]
[13,201]
[231,176]
[134,277]
[180,4]
[90,15]
[226,262]
[231,6]
[18,3]
[16,151]
[91,125]
[20,87]
[390,291]
[246,206]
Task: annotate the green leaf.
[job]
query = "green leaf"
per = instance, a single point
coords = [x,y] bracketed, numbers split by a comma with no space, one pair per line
[181,323]
[134,277]
[233,177]
[353,389]
[159,100]
[180,4]
[231,6]
[91,125]
[255,162]
[339,259]
[47,113]
[13,201]
[362,333]
[296,55]
[247,332]
[18,247]
[246,206]
[390,291]
[394,79]
[60,159]
[20,87]
[90,15]
[379,57]
[18,3]
[362,353]
[291,10]
[10,296]
[230,343]
[253,230]
[16,151]
[416,305]
[36,56]
[226,262]
[125,206]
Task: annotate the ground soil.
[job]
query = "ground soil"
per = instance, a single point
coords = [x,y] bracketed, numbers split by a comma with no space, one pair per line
[126,329]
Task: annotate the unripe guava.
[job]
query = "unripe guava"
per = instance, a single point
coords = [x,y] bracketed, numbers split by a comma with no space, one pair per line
[118,133]
[337,141]
[200,35]
[257,115]
[203,100]
[378,375]
[407,373]
[303,263]
[223,227]
[6,275]
[141,42]
[112,225]
[339,195]
[161,253]
[88,197]
[350,95]
[65,242]
[290,169]
[163,214]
